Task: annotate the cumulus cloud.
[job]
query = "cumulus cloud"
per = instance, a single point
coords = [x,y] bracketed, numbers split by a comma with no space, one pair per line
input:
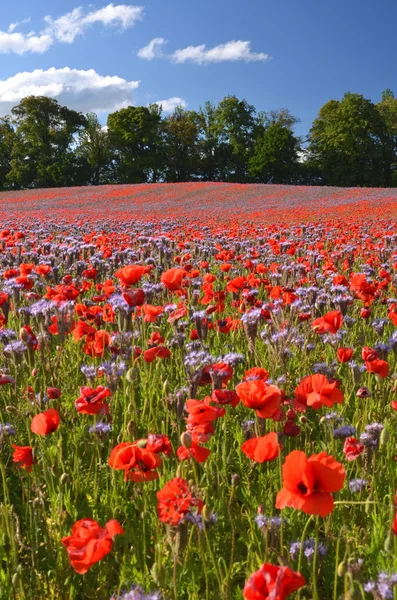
[153,49]
[16,24]
[20,43]
[170,105]
[67,27]
[230,51]
[78,89]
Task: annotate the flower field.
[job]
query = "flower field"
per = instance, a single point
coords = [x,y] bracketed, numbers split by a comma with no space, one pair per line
[198,393]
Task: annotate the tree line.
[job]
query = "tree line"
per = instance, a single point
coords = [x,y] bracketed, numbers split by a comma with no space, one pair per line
[352,142]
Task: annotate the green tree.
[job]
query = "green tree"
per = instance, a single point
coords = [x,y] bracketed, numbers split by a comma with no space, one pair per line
[275,155]
[43,151]
[7,140]
[134,137]
[346,142]
[94,151]
[235,126]
[182,145]
[388,110]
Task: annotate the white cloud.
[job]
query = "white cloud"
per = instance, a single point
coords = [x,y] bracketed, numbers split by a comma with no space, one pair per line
[20,43]
[81,90]
[231,51]
[17,24]
[67,27]
[171,104]
[153,49]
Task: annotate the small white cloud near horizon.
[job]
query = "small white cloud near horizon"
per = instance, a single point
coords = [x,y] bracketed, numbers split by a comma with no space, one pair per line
[80,90]
[229,52]
[170,105]
[153,49]
[17,24]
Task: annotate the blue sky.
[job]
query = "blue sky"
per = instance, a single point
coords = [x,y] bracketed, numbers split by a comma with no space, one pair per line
[296,55]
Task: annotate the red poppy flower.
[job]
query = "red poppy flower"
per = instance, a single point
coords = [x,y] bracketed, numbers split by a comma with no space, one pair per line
[309,482]
[378,366]
[344,354]
[134,297]
[256,373]
[53,393]
[81,329]
[225,397]
[155,339]
[272,582]
[262,449]
[91,401]
[316,391]
[175,500]
[151,312]
[262,397]
[173,278]
[45,422]
[130,275]
[329,323]
[177,314]
[197,452]
[138,464]
[352,448]
[23,456]
[90,542]
[158,443]
[96,345]
[156,352]
[368,354]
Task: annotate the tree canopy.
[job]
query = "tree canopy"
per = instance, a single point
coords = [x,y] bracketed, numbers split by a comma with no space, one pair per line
[352,142]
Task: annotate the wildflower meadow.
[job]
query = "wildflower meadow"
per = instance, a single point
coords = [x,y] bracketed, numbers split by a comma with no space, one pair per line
[198,393]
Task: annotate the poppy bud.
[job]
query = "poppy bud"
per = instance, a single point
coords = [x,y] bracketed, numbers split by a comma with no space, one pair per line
[363,392]
[34,372]
[342,569]
[291,414]
[186,440]
[291,429]
[303,419]
[388,545]
[323,420]
[24,335]
[166,387]
[142,443]
[384,438]
[64,478]
[11,409]
[235,478]
[206,513]
[131,375]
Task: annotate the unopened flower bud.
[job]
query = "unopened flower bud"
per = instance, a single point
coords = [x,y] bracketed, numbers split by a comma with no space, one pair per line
[64,478]
[235,478]
[186,440]
[34,372]
[363,392]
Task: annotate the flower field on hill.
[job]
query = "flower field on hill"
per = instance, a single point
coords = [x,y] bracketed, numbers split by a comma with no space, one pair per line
[198,393]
